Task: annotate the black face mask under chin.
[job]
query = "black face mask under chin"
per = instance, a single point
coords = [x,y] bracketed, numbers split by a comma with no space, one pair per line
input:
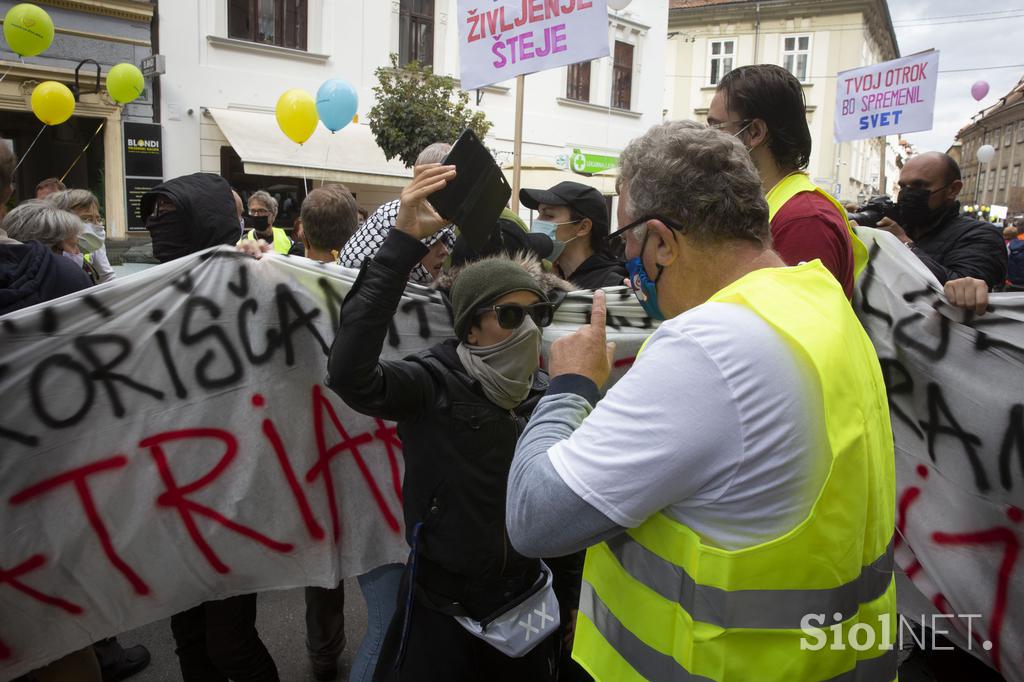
[916,217]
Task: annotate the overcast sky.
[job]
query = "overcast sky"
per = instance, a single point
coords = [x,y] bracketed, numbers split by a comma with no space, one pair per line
[982,33]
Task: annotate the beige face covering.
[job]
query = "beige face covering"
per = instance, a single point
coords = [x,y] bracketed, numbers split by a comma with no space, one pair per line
[505,370]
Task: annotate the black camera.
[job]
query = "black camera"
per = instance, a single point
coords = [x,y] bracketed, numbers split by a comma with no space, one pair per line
[874,210]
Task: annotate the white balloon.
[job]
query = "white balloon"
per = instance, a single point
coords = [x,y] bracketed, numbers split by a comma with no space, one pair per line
[618,4]
[986,153]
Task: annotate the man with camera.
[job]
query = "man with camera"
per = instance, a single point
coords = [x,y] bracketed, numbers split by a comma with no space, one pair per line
[967,256]
[763,106]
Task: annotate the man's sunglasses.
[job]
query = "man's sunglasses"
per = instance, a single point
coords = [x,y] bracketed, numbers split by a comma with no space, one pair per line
[511,315]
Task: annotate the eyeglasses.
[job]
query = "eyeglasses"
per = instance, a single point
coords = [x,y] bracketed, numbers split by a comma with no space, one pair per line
[618,237]
[259,211]
[722,124]
[511,315]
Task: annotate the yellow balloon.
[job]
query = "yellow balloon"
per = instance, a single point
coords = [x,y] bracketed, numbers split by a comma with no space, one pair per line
[52,102]
[296,114]
[28,29]
[125,83]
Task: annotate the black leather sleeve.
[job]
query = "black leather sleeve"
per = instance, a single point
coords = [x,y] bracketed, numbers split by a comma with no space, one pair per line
[398,390]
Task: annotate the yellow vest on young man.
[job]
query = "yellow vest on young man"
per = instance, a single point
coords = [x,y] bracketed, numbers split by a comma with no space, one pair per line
[282,244]
[797,182]
[657,603]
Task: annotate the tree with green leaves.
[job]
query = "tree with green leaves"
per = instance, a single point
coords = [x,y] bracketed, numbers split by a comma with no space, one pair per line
[415,107]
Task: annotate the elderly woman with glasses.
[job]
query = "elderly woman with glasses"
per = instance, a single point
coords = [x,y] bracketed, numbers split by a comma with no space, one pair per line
[84,204]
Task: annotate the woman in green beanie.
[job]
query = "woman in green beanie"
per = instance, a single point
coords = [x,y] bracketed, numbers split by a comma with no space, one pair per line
[460,408]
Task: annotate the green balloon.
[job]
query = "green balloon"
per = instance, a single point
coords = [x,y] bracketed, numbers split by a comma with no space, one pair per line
[125,83]
[28,30]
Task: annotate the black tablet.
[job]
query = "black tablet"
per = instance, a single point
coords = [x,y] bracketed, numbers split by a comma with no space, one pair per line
[473,201]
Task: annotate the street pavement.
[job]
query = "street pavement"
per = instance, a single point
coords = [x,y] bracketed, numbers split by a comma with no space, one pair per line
[282,626]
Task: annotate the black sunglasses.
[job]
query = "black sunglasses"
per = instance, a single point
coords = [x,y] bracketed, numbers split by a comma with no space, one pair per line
[511,315]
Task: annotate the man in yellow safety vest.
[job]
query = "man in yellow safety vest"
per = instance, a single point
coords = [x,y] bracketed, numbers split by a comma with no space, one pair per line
[736,487]
[263,206]
[763,106]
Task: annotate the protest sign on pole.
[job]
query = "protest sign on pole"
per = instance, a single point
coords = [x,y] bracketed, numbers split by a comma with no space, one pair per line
[501,39]
[890,98]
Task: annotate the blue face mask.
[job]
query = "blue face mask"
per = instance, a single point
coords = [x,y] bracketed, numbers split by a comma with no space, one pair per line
[644,288]
[548,228]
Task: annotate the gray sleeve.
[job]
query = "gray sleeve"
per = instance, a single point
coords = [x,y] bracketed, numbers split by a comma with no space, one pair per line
[539,504]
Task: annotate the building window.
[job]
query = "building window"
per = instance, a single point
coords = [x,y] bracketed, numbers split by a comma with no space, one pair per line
[1002,179]
[1020,132]
[1008,136]
[796,56]
[416,32]
[995,138]
[622,75]
[991,180]
[577,85]
[1015,176]
[981,181]
[720,59]
[271,22]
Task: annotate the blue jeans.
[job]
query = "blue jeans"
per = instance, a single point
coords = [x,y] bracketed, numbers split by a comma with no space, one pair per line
[380,590]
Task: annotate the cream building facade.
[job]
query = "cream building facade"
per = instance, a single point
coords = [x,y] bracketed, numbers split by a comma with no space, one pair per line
[814,40]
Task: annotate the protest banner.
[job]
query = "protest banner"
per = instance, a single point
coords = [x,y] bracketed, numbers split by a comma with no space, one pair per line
[890,98]
[954,381]
[167,440]
[500,39]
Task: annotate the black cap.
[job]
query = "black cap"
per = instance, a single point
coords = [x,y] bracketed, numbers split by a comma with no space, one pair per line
[509,240]
[583,199]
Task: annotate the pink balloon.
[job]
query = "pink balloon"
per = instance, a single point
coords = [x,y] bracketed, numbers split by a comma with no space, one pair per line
[979,90]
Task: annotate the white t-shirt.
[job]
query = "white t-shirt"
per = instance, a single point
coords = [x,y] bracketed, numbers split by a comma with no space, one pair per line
[715,423]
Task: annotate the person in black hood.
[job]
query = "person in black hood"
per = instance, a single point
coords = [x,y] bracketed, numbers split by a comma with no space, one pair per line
[216,640]
[575,217]
[460,407]
[188,214]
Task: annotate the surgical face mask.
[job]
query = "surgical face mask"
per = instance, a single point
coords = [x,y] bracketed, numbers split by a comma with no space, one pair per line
[77,258]
[916,215]
[550,230]
[644,287]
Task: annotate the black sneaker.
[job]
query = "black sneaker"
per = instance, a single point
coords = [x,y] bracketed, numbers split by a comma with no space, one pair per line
[135,659]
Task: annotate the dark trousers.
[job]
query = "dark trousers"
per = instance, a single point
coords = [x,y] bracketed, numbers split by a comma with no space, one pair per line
[217,641]
[325,623]
[440,650]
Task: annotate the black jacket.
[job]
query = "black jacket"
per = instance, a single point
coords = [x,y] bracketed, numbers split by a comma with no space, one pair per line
[30,273]
[458,445]
[960,246]
[205,215]
[598,271]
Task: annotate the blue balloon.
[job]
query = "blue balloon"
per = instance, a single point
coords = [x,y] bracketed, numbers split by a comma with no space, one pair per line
[336,103]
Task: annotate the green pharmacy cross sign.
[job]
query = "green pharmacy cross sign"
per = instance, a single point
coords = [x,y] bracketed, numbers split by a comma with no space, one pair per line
[588,164]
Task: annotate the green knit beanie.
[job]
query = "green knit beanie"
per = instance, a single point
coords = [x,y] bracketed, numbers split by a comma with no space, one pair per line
[482,283]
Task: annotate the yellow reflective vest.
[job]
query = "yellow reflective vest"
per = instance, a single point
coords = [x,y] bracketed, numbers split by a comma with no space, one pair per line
[282,244]
[797,182]
[657,603]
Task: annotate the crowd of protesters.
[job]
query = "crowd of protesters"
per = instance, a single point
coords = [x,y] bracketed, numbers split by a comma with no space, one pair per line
[716,451]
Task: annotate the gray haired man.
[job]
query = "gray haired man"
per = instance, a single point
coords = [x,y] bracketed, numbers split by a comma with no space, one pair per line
[717,501]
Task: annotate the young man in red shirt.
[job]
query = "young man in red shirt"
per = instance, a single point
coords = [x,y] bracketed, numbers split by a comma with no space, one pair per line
[763,105]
